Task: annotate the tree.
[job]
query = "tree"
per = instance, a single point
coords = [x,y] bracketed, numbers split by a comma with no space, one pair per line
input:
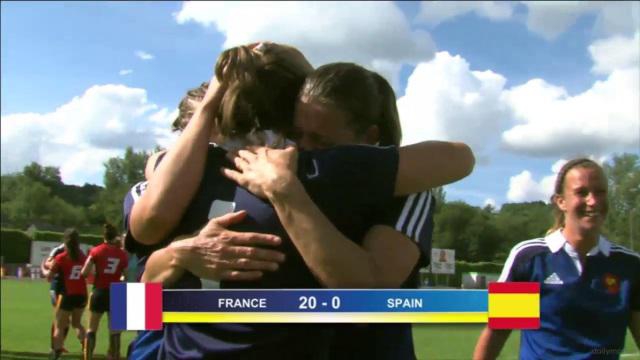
[623,220]
[440,195]
[523,221]
[458,226]
[120,175]
[31,201]
[49,176]
[125,171]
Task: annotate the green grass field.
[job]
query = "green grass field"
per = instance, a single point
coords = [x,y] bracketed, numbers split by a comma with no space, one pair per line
[26,323]
[26,320]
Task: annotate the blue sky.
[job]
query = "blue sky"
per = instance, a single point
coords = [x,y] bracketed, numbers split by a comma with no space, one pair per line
[527,85]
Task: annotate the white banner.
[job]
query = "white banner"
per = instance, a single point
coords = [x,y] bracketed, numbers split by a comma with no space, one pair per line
[443,261]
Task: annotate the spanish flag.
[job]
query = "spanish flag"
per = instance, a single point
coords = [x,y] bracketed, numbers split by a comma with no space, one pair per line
[514,305]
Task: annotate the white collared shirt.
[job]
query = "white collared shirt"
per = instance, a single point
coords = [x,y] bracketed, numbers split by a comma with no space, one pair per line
[557,241]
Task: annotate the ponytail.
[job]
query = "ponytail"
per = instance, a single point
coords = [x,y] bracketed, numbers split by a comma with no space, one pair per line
[109,232]
[72,243]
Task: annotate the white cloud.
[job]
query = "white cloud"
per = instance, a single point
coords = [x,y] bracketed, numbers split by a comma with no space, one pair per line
[373,34]
[617,52]
[601,120]
[523,188]
[551,18]
[555,168]
[86,131]
[446,100]
[125,72]
[162,130]
[436,12]
[490,202]
[144,55]
[548,19]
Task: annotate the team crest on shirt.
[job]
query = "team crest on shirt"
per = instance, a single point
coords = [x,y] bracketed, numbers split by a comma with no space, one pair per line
[611,283]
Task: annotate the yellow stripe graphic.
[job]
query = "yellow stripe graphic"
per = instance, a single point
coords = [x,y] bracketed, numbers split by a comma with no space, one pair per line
[285,317]
[514,305]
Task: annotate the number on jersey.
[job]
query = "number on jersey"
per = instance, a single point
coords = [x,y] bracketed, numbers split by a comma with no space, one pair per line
[112,265]
[76,272]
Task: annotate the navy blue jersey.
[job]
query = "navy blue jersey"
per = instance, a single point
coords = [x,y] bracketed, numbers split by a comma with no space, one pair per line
[584,310]
[56,284]
[413,216]
[349,184]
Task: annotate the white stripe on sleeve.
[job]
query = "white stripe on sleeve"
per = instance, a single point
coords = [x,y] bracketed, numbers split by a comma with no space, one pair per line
[506,270]
[416,214]
[405,212]
[138,189]
[423,218]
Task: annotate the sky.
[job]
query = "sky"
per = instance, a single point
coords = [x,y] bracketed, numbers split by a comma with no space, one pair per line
[527,85]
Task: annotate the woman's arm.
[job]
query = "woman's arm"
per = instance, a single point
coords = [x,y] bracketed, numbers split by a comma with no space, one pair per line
[386,257]
[490,343]
[422,166]
[163,267]
[216,254]
[430,164]
[53,270]
[88,266]
[45,266]
[178,176]
[152,162]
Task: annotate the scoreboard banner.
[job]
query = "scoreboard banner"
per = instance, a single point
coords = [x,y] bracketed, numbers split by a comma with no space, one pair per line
[509,305]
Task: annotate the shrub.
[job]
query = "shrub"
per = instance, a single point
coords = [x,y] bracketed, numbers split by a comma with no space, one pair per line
[15,246]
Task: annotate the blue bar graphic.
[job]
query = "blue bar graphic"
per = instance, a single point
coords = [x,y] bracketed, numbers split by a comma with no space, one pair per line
[325,300]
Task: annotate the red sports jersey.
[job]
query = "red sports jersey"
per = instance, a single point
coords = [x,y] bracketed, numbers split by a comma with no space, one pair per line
[110,261]
[74,282]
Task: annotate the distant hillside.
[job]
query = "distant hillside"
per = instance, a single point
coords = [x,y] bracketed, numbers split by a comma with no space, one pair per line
[82,196]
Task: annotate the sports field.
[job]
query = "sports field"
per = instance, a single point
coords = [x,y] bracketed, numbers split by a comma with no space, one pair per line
[26,320]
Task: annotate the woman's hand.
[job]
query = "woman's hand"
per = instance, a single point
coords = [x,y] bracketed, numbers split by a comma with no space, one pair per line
[213,96]
[264,171]
[220,254]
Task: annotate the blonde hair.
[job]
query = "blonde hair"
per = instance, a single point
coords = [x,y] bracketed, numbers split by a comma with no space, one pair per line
[558,189]
[263,83]
[188,105]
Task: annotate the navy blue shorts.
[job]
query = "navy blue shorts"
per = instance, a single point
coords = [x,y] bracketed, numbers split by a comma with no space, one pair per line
[99,302]
[72,302]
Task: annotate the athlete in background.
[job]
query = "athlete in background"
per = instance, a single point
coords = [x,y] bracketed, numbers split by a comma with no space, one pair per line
[109,261]
[589,287]
[71,304]
[56,287]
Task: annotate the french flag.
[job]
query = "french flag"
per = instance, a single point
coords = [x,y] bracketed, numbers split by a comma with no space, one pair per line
[136,306]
